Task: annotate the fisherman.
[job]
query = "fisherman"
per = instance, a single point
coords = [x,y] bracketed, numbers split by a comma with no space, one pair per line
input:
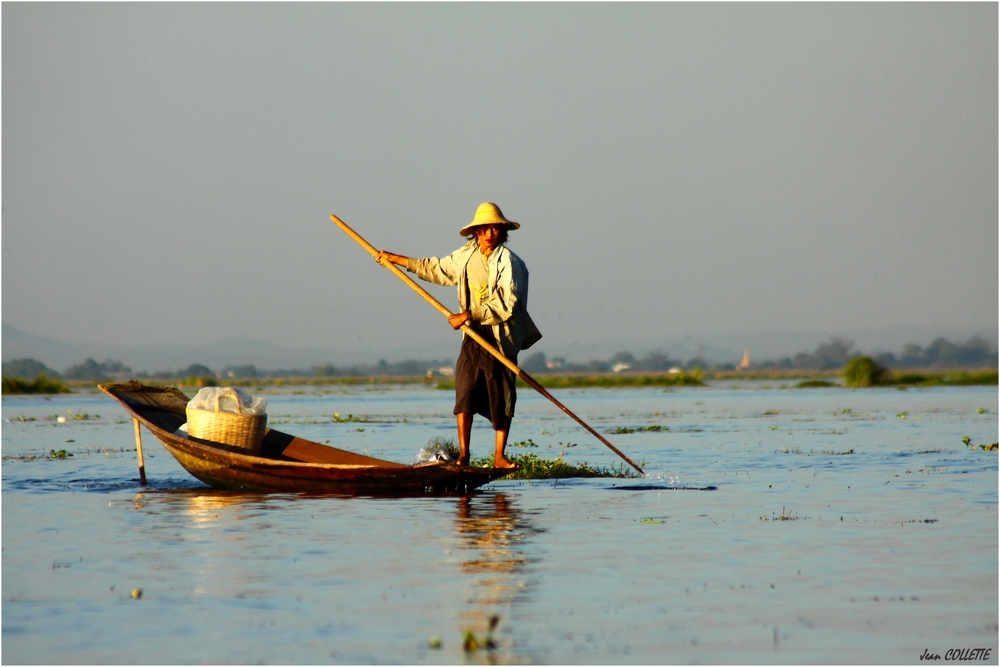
[492,298]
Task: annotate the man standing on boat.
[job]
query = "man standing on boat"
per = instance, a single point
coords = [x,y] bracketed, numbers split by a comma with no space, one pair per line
[492,297]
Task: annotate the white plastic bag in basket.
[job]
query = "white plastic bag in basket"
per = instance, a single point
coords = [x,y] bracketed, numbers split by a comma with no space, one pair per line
[208,397]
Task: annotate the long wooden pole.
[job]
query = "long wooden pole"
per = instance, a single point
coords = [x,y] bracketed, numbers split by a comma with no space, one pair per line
[138,453]
[479,339]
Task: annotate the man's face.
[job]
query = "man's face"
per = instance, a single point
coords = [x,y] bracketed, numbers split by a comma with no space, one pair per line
[488,235]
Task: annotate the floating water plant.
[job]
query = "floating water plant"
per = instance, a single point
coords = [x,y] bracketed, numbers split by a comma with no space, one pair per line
[534,467]
[350,418]
[61,454]
[531,465]
[786,515]
[471,643]
[814,452]
[810,384]
[624,430]
[985,448]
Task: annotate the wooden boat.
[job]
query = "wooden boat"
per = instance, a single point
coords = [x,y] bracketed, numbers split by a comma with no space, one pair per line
[285,463]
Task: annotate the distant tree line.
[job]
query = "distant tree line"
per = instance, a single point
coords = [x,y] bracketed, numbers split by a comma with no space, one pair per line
[832,354]
[941,353]
[382,367]
[29,369]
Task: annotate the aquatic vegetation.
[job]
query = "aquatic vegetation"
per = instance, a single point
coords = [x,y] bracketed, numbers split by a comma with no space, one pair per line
[61,454]
[200,381]
[23,458]
[40,385]
[956,379]
[624,430]
[533,466]
[865,372]
[986,448]
[471,643]
[809,384]
[786,515]
[814,452]
[83,416]
[350,418]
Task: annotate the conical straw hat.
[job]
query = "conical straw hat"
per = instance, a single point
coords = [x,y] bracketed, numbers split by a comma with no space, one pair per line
[488,213]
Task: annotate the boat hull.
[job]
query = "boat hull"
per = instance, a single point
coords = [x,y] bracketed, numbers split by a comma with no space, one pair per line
[251,473]
[286,463]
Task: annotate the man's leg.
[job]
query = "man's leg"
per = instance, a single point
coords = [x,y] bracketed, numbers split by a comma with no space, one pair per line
[464,433]
[499,460]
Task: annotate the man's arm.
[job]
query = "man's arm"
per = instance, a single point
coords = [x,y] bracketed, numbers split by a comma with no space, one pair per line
[385,256]
[456,321]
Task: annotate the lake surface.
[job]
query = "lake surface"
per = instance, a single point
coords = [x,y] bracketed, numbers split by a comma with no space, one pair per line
[845,526]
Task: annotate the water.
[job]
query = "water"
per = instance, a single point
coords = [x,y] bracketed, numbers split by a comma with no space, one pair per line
[845,526]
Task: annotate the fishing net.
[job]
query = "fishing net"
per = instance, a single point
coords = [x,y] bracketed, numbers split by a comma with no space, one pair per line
[438,450]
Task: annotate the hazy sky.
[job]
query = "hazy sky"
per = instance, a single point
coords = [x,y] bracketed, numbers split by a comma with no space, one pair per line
[678,170]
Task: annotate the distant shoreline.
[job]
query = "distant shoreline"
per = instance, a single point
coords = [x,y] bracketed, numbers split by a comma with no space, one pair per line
[904,378]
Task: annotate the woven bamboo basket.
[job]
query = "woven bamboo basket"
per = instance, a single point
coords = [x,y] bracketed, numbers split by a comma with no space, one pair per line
[228,428]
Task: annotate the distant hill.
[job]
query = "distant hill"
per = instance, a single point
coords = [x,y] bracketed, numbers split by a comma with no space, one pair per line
[58,355]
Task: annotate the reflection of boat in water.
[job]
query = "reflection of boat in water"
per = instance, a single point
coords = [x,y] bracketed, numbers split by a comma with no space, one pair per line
[493,534]
[285,463]
[494,529]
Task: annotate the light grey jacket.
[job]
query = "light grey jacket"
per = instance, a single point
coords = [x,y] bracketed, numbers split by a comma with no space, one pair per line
[505,311]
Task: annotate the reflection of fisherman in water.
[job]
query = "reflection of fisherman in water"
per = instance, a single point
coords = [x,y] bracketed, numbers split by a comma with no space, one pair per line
[495,533]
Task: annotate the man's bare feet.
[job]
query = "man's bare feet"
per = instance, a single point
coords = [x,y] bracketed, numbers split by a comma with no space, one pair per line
[501,462]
